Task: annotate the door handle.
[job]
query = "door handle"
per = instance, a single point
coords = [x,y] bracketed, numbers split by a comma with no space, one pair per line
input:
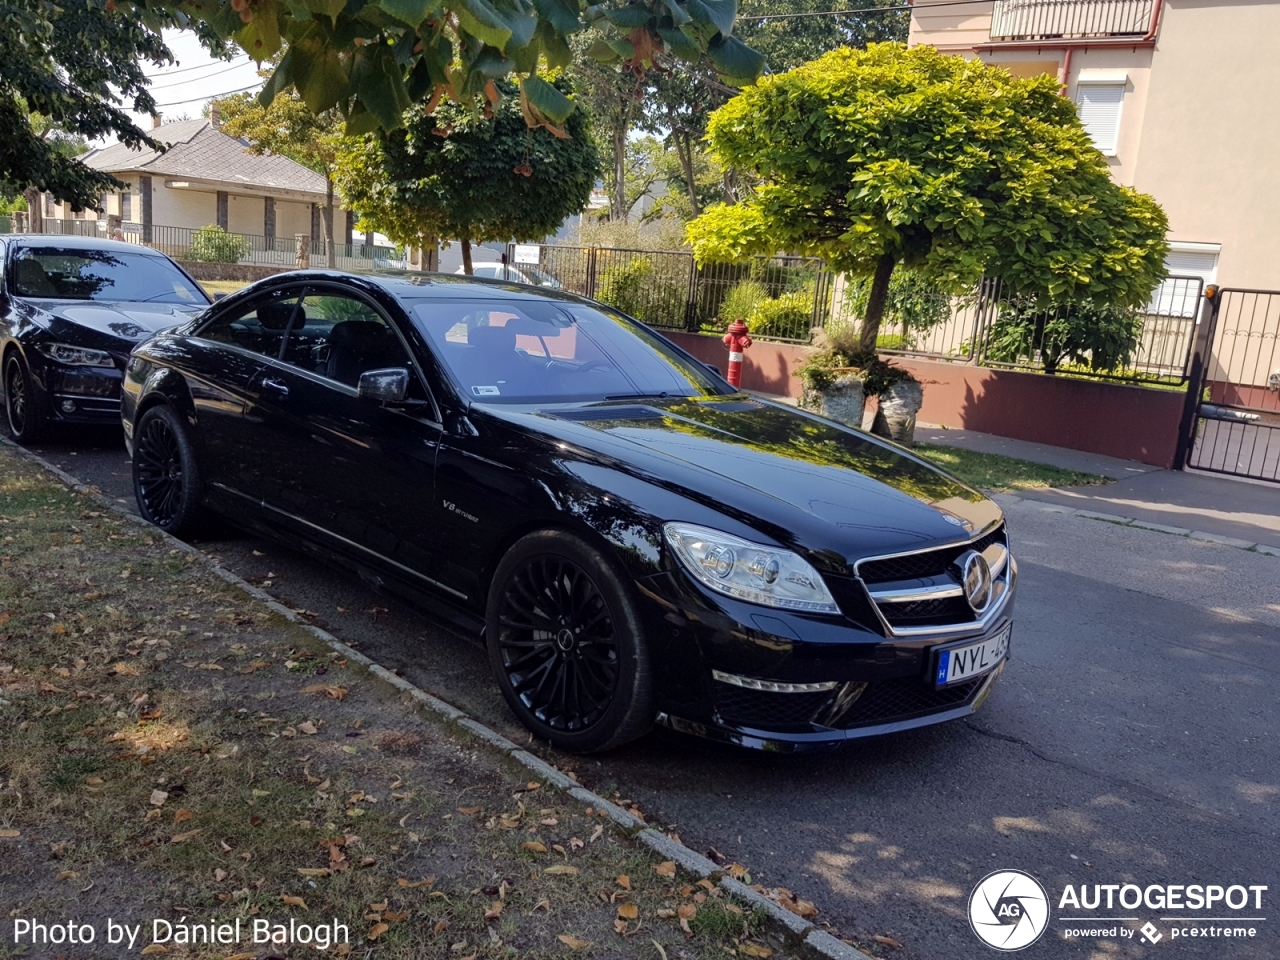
[277,387]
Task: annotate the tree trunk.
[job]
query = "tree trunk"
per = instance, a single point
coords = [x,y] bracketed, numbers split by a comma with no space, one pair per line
[35,210]
[466,258]
[620,210]
[331,255]
[684,149]
[875,303]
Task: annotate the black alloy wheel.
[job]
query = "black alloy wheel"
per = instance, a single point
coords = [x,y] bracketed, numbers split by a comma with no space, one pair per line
[166,480]
[565,644]
[20,402]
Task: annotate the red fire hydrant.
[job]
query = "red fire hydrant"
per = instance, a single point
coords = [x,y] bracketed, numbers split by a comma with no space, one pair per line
[737,341]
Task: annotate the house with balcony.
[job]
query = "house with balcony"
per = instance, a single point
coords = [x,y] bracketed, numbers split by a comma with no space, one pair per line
[1181,97]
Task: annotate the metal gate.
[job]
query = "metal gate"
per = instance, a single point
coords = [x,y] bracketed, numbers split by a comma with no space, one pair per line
[1232,418]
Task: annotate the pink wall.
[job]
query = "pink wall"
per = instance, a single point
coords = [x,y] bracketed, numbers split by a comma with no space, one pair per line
[1116,420]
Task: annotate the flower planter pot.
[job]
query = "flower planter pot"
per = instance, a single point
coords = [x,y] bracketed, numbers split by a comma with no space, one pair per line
[896,418]
[844,400]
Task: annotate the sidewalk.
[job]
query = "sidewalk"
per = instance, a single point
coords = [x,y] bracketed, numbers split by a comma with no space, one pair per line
[1219,506]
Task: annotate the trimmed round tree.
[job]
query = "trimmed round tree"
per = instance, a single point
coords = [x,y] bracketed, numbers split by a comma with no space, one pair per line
[474,177]
[892,156]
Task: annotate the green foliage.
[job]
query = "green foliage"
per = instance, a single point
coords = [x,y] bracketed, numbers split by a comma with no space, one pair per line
[71,72]
[1101,338]
[458,174]
[789,315]
[786,43]
[653,293]
[914,304]
[212,244]
[952,167]
[741,301]
[372,60]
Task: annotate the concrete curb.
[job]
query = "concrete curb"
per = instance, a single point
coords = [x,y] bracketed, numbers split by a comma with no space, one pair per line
[800,934]
[1246,545]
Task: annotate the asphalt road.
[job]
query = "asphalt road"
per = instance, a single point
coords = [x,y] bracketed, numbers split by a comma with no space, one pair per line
[1133,739]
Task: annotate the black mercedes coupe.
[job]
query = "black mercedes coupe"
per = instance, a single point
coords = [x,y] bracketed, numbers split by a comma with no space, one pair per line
[71,309]
[636,541]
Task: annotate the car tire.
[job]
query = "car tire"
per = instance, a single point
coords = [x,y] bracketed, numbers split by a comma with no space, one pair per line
[166,477]
[566,644]
[21,408]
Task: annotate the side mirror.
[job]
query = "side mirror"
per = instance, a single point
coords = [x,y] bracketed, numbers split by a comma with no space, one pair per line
[218,296]
[384,386]
[714,369]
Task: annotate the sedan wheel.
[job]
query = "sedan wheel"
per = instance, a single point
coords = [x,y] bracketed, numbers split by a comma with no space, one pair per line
[166,480]
[19,402]
[565,644]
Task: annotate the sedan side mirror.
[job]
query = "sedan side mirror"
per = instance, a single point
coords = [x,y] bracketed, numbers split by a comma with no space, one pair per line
[219,296]
[714,369]
[384,386]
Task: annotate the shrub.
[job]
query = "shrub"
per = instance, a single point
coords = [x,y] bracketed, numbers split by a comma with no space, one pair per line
[648,293]
[790,315]
[212,244]
[741,301]
[1101,338]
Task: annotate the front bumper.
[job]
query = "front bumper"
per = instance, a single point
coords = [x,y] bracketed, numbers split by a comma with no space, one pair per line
[82,394]
[869,683]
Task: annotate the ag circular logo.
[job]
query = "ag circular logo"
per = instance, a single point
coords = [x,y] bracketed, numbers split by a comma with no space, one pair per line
[1009,910]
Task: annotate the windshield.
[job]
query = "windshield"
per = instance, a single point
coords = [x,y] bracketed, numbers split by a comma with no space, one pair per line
[532,351]
[55,274]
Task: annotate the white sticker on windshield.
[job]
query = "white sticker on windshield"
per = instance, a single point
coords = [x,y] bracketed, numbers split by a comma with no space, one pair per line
[486,391]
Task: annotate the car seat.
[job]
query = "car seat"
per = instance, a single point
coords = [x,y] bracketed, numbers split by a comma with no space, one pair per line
[31,279]
[359,345]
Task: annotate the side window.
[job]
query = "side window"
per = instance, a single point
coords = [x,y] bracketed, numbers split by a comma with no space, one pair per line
[339,338]
[260,327]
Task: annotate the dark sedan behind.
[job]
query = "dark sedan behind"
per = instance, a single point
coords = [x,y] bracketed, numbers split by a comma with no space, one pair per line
[71,310]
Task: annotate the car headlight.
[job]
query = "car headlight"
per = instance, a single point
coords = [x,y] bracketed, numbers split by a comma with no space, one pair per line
[749,571]
[75,356]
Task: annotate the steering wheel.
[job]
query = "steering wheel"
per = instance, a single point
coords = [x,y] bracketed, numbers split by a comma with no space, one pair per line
[592,364]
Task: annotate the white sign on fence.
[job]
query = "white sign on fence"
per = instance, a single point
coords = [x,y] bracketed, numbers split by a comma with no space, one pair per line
[526,253]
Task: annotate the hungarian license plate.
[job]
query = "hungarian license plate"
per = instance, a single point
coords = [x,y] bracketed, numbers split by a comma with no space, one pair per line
[969,660]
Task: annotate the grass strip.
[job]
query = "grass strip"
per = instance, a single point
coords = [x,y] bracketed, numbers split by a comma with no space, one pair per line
[991,471]
[177,757]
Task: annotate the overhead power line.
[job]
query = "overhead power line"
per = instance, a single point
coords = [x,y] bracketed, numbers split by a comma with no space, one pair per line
[855,12]
[211,96]
[207,76]
[199,66]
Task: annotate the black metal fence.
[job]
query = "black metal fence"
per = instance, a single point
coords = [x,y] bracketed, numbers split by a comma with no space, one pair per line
[1238,419]
[1064,19]
[781,298]
[992,328]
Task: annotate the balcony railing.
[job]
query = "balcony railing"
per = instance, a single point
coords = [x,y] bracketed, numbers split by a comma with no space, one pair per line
[1069,19]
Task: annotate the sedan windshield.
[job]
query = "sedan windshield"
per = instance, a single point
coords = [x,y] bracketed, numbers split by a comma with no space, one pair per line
[60,274]
[531,351]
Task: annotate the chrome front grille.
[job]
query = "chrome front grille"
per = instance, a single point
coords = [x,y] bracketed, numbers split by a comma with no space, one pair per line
[921,592]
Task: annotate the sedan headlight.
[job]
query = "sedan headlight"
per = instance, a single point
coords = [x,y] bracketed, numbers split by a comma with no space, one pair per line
[65,353]
[749,571]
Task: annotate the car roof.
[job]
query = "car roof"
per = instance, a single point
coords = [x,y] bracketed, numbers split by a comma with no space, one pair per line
[71,242]
[433,286]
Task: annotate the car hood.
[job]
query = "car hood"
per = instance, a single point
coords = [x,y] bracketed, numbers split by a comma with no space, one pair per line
[800,478]
[125,321]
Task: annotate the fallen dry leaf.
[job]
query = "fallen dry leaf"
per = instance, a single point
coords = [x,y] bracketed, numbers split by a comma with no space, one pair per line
[94,781]
[289,901]
[428,881]
[533,846]
[123,670]
[183,837]
[158,797]
[666,913]
[154,948]
[219,875]
[629,911]
[182,816]
[308,728]
[624,882]
[687,911]
[619,925]
[334,693]
[887,941]
[667,868]
[561,870]
[9,834]
[378,930]
[440,927]
[395,917]
[494,911]
[314,871]
[572,942]
[754,950]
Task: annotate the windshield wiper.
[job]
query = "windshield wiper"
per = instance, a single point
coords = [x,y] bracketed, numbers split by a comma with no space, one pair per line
[640,396]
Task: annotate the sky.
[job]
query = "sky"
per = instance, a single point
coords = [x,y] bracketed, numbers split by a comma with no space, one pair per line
[183,88]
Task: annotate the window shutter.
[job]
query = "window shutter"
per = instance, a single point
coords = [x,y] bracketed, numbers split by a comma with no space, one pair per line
[1179,296]
[1099,108]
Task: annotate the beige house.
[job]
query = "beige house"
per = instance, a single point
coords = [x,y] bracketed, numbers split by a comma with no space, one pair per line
[206,177]
[1181,96]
